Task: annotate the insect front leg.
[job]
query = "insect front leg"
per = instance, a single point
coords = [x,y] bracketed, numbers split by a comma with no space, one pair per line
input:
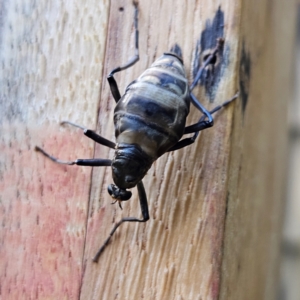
[93,162]
[145,214]
[93,135]
[111,80]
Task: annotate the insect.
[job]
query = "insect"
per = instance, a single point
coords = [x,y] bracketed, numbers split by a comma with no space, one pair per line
[150,120]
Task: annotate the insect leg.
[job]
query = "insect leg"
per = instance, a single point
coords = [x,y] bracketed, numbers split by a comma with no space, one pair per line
[93,135]
[145,214]
[209,59]
[202,124]
[94,162]
[196,103]
[111,80]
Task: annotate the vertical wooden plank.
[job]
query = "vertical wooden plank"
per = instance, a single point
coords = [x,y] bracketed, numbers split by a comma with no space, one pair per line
[177,253]
[258,154]
[290,264]
[214,206]
[51,61]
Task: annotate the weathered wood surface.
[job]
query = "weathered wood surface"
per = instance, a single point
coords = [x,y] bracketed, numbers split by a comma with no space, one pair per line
[215,206]
[52,55]
[290,265]
[258,156]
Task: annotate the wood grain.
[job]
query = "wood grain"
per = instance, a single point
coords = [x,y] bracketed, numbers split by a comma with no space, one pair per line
[215,207]
[51,63]
[186,189]
[258,154]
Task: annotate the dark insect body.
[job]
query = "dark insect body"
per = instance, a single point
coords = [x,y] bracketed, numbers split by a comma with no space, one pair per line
[149,121]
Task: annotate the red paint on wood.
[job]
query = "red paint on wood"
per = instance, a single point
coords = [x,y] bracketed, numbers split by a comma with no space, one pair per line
[43,212]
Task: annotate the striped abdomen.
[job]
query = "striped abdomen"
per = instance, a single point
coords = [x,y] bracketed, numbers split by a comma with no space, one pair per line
[152,113]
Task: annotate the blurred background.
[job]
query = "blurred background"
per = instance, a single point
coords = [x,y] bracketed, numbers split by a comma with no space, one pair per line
[290,266]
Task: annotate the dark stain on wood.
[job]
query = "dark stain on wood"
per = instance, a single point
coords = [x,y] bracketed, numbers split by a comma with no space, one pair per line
[245,75]
[210,79]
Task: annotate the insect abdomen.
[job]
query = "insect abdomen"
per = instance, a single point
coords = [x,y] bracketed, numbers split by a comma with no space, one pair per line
[153,110]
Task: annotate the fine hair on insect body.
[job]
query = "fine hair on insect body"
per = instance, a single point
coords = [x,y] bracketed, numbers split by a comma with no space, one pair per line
[150,120]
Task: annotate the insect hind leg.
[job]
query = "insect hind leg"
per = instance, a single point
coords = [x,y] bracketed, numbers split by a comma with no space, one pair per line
[111,80]
[209,60]
[206,120]
[201,125]
[196,103]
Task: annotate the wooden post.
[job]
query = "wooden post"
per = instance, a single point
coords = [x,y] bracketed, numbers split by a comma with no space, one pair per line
[52,55]
[215,207]
[290,262]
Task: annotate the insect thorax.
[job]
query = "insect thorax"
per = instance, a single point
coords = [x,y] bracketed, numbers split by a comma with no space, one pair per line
[129,165]
[152,113]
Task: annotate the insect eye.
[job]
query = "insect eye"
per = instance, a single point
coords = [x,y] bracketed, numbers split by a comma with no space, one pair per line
[125,195]
[120,194]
